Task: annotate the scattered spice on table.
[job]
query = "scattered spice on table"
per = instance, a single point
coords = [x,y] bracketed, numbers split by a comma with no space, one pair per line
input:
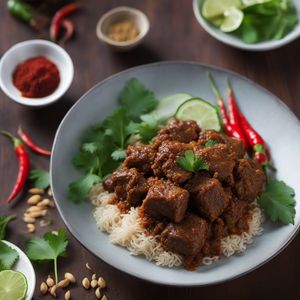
[36,77]
[24,165]
[123,31]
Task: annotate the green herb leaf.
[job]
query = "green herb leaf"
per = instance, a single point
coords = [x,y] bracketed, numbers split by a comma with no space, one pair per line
[211,143]
[8,256]
[189,162]
[259,148]
[136,99]
[40,178]
[4,221]
[148,128]
[278,202]
[79,189]
[118,154]
[50,247]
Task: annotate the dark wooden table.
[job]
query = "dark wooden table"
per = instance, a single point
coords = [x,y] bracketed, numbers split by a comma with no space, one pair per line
[174,35]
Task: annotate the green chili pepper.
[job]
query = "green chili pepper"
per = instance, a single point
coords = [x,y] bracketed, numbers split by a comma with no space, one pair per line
[20,10]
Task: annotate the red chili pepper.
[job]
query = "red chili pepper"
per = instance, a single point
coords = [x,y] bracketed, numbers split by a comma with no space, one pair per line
[69,30]
[228,129]
[261,153]
[28,142]
[234,116]
[24,165]
[59,17]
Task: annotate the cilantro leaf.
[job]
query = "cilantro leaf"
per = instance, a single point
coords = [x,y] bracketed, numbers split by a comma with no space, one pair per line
[79,189]
[50,247]
[136,99]
[40,178]
[148,128]
[211,143]
[4,220]
[278,202]
[8,256]
[118,154]
[116,127]
[189,162]
[85,161]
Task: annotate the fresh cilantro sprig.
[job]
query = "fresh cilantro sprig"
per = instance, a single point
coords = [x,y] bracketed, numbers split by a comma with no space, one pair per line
[48,248]
[137,100]
[40,178]
[103,147]
[4,221]
[8,256]
[278,202]
[189,162]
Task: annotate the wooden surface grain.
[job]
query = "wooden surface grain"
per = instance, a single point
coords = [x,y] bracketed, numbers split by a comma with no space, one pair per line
[174,35]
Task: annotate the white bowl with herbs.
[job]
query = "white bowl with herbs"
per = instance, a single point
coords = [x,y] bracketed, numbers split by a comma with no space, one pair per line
[254,25]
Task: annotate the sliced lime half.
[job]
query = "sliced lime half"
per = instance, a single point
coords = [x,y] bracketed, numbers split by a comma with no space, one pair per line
[199,110]
[233,19]
[13,285]
[216,8]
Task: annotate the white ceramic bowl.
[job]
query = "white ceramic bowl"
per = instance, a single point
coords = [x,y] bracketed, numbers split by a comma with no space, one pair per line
[24,266]
[28,49]
[118,14]
[237,43]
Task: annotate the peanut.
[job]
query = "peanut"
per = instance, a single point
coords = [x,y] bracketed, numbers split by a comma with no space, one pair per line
[53,290]
[98,293]
[36,190]
[43,288]
[28,219]
[70,277]
[43,203]
[33,200]
[33,209]
[86,283]
[94,283]
[50,282]
[38,214]
[63,283]
[30,228]
[104,298]
[68,295]
[101,283]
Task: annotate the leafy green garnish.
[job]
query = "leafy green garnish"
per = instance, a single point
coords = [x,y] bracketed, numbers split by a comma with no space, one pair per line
[137,100]
[211,143]
[80,188]
[4,220]
[103,147]
[189,162]
[8,256]
[50,247]
[40,178]
[270,20]
[259,148]
[278,202]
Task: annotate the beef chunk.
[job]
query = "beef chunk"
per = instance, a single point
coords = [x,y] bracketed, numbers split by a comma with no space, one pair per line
[165,161]
[221,161]
[128,184]
[235,145]
[140,157]
[178,130]
[187,237]
[249,179]
[164,199]
[207,196]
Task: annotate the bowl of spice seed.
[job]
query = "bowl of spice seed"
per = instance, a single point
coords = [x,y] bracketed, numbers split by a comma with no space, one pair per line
[36,73]
[122,28]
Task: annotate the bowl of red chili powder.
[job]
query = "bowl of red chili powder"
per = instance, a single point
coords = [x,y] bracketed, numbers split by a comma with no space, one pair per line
[36,73]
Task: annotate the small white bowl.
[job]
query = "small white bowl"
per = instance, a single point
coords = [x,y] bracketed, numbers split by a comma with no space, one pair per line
[29,49]
[118,14]
[24,266]
[237,43]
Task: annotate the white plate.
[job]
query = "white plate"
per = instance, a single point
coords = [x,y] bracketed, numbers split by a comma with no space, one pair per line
[266,113]
[24,266]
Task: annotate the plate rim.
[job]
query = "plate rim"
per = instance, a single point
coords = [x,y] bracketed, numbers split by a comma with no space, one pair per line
[279,102]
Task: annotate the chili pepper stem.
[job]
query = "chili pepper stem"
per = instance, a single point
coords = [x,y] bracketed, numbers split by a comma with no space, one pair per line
[15,140]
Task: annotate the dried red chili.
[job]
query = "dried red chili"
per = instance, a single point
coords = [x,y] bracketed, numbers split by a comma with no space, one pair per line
[36,77]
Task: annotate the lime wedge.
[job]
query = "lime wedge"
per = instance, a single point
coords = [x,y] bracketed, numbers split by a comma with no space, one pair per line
[13,285]
[199,110]
[233,19]
[216,8]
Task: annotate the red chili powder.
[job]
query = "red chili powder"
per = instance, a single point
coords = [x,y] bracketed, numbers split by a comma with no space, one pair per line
[36,77]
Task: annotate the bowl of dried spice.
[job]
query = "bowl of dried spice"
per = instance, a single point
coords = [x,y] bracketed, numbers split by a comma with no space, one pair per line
[36,73]
[122,28]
